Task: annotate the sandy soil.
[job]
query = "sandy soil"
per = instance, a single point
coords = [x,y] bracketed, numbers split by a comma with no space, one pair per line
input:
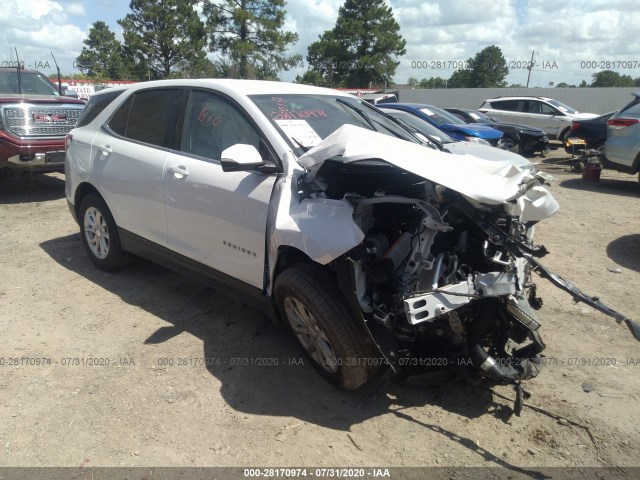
[144,367]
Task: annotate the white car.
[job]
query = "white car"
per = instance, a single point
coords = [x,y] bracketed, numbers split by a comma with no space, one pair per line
[317,208]
[550,115]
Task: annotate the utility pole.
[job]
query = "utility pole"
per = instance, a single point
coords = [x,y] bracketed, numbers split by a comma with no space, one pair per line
[530,67]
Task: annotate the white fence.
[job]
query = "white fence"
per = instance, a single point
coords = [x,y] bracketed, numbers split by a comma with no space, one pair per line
[593,100]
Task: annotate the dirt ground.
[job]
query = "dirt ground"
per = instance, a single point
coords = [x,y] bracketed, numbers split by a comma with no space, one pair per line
[146,368]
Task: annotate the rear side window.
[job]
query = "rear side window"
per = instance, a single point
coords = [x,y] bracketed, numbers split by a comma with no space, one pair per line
[510,105]
[149,116]
[95,106]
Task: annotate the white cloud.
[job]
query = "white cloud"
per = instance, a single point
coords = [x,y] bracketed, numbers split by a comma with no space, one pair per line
[76,9]
[36,28]
[594,30]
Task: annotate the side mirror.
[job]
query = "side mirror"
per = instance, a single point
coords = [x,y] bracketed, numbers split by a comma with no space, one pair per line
[241,157]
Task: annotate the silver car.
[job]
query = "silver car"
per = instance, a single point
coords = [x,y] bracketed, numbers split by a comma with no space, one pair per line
[622,149]
[550,115]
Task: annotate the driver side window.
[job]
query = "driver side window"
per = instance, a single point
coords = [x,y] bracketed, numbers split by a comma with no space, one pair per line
[212,124]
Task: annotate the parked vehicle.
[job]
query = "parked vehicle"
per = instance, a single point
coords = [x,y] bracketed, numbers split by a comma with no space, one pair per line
[622,149]
[445,143]
[520,139]
[377,98]
[593,131]
[311,204]
[34,119]
[448,123]
[550,115]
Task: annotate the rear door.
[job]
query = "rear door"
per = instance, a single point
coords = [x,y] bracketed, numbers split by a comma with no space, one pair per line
[507,110]
[129,154]
[217,219]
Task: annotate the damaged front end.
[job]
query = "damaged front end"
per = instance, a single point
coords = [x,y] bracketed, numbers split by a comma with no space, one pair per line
[441,276]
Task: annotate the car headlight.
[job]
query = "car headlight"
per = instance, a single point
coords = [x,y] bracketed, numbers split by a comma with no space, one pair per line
[477,140]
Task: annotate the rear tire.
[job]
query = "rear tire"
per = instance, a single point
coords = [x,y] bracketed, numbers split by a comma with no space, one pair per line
[310,302]
[99,235]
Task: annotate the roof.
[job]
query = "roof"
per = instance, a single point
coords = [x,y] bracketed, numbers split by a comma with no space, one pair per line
[242,87]
[516,97]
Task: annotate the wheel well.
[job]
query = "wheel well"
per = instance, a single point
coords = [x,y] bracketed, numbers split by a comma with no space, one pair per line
[563,133]
[287,257]
[82,191]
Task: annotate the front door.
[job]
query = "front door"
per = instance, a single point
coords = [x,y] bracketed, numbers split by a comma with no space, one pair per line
[217,218]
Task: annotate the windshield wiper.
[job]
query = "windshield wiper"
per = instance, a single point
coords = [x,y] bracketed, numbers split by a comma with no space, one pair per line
[361,113]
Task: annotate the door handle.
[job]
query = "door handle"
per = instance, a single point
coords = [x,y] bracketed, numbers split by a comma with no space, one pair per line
[179,171]
[105,149]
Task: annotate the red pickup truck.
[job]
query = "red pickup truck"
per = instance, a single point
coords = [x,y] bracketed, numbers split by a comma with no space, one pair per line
[34,120]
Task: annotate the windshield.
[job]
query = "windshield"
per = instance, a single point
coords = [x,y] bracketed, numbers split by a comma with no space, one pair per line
[440,116]
[33,83]
[420,125]
[306,120]
[562,107]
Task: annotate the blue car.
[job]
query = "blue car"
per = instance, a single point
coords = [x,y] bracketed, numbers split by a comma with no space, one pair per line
[448,123]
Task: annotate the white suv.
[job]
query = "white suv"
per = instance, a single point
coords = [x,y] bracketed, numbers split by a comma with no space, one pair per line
[550,115]
[319,209]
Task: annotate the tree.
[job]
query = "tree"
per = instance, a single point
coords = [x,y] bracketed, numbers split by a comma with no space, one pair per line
[486,69]
[101,57]
[413,82]
[249,33]
[361,49]
[564,85]
[163,37]
[461,79]
[609,78]
[433,82]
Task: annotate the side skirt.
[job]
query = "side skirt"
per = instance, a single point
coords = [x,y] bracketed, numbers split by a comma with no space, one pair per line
[188,267]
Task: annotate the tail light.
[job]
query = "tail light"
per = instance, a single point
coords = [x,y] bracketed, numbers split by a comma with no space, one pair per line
[618,123]
[575,126]
[67,141]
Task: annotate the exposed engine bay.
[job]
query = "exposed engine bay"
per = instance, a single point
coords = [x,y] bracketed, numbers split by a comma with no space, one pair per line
[442,279]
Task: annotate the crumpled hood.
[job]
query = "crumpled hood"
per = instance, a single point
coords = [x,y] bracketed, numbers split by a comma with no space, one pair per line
[482,181]
[485,152]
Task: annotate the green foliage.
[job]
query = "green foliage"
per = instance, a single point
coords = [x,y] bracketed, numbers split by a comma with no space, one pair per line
[163,38]
[101,57]
[433,82]
[486,70]
[609,78]
[249,34]
[564,85]
[360,50]
[462,78]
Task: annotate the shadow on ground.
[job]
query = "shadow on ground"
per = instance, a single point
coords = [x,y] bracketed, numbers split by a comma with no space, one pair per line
[610,186]
[31,187]
[284,384]
[625,251]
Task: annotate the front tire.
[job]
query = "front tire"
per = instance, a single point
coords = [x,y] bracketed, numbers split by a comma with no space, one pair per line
[511,144]
[99,235]
[308,299]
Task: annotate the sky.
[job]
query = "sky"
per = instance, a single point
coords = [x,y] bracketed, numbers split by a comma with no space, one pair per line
[570,41]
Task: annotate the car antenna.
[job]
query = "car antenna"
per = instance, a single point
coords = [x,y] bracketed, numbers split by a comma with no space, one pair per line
[18,72]
[57,68]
